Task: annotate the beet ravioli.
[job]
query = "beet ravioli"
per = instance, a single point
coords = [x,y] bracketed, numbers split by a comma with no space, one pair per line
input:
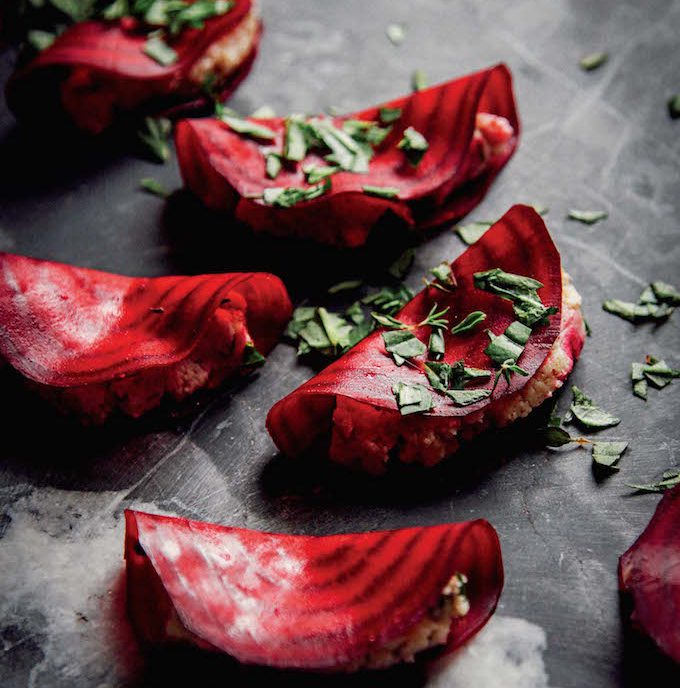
[145,63]
[93,342]
[340,602]
[648,576]
[426,159]
[489,340]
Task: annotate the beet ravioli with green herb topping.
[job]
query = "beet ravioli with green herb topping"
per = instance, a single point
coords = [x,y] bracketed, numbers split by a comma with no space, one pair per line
[334,603]
[426,159]
[146,58]
[94,342]
[489,340]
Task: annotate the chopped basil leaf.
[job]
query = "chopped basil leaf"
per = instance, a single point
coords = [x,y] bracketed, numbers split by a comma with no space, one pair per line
[669,479]
[437,345]
[473,231]
[355,313]
[116,10]
[272,165]
[252,357]
[381,191]
[295,139]
[466,397]
[401,266]
[153,187]
[556,437]
[674,106]
[501,348]
[157,49]
[287,197]
[414,145]
[418,80]
[154,135]
[263,112]
[444,273]
[636,312]
[40,40]
[396,33]
[248,128]
[347,285]
[588,413]
[608,453]
[592,61]
[588,217]
[389,321]
[469,322]
[403,343]
[389,299]
[388,115]
[638,379]
[666,293]
[522,291]
[316,173]
[412,398]
[365,131]
[444,376]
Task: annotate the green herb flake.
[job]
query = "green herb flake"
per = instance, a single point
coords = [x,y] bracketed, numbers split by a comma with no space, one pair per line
[295,139]
[389,115]
[445,376]
[506,370]
[414,145]
[153,187]
[607,454]
[317,173]
[389,321]
[669,479]
[272,165]
[637,312]
[673,104]
[157,49]
[553,436]
[469,322]
[248,128]
[502,349]
[401,266]
[592,61]
[116,10]
[412,398]
[588,413]
[587,217]
[381,191]
[522,291]
[347,285]
[403,344]
[40,40]
[287,197]
[155,135]
[665,293]
[252,358]
[638,379]
[437,345]
[467,397]
[396,33]
[473,231]
[419,80]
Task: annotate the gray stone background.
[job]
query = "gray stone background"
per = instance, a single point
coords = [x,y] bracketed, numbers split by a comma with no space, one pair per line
[600,140]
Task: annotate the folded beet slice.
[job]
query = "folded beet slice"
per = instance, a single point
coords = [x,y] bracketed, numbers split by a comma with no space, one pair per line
[354,397]
[649,576]
[97,70]
[64,326]
[300,601]
[471,127]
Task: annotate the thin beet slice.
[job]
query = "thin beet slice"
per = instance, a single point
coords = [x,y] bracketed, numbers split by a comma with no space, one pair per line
[110,58]
[227,170]
[299,601]
[65,326]
[518,243]
[649,574]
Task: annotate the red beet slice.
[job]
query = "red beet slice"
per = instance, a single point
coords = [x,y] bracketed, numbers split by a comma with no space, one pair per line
[125,78]
[649,573]
[518,243]
[226,170]
[300,601]
[66,326]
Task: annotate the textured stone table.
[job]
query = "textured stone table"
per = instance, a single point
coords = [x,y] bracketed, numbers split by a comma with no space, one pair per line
[600,140]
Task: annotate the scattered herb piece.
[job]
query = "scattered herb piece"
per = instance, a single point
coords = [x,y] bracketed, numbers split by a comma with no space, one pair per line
[469,322]
[381,191]
[638,312]
[666,293]
[588,413]
[295,139]
[389,115]
[509,345]
[157,49]
[418,80]
[40,40]
[638,379]
[444,274]
[412,398]
[437,345]
[587,217]
[347,285]
[403,344]
[608,453]
[154,135]
[590,62]
[400,267]
[287,197]
[466,397]
[252,357]
[522,291]
[317,173]
[669,479]
[555,436]
[396,33]
[473,231]
[674,106]
[506,370]
[248,128]
[414,145]
[444,376]
[272,165]
[153,187]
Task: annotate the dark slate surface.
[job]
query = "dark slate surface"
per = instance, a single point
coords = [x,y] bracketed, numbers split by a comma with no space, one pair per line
[601,140]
